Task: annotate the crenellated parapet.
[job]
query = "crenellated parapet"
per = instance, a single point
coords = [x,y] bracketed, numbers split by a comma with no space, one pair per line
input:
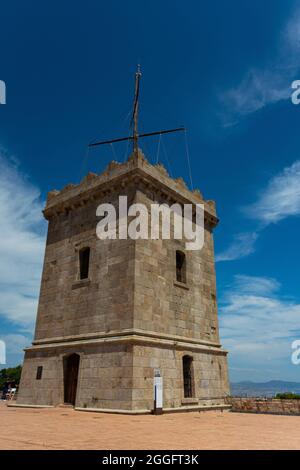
[136,170]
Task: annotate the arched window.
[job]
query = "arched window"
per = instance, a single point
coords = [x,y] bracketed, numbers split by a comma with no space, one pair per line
[84,262]
[188,379]
[180,266]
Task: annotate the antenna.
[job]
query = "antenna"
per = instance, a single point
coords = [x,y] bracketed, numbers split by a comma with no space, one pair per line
[135,113]
[134,121]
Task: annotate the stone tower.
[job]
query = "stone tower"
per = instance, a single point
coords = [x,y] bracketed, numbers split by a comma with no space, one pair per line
[112,312]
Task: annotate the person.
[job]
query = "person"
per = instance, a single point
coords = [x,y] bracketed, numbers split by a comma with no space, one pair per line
[13,390]
[8,394]
[4,391]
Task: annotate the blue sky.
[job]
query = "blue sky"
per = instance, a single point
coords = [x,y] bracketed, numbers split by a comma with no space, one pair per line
[222,69]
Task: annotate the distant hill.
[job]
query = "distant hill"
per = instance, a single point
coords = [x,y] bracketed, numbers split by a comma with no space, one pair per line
[263,389]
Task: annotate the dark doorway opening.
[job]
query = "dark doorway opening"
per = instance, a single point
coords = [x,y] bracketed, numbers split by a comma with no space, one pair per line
[84,262]
[71,369]
[180,267]
[188,380]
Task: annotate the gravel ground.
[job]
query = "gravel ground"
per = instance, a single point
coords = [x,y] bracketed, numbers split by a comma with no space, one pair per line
[64,428]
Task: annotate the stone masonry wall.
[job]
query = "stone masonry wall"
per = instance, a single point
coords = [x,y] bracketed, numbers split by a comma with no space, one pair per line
[162,304]
[269,405]
[104,302]
[104,379]
[209,370]
[48,390]
[121,377]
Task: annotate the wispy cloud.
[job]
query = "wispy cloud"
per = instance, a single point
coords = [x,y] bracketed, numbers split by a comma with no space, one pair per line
[257,89]
[258,326]
[270,84]
[242,245]
[255,285]
[279,200]
[15,343]
[21,245]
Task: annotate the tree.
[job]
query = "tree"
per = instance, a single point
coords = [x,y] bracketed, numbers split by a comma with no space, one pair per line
[12,374]
[287,396]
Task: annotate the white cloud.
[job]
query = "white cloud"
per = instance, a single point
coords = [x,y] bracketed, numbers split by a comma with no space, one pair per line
[15,344]
[256,90]
[242,245]
[257,326]
[21,245]
[255,285]
[280,199]
[270,84]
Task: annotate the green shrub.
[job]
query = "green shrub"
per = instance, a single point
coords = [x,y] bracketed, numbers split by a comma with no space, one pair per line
[287,396]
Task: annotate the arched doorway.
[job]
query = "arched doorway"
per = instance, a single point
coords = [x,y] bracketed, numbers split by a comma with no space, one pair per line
[71,369]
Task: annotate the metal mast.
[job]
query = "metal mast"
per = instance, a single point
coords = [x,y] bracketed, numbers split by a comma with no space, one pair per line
[134,121]
[135,113]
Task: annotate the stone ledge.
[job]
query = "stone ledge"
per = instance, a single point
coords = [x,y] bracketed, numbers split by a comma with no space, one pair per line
[114,411]
[182,285]
[81,283]
[21,405]
[180,409]
[133,339]
[197,408]
[125,332]
[190,401]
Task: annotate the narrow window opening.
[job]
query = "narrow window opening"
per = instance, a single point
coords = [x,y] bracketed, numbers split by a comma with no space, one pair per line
[188,380]
[39,372]
[180,267]
[84,262]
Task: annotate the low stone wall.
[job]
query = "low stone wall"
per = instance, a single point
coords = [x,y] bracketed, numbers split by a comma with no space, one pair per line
[265,405]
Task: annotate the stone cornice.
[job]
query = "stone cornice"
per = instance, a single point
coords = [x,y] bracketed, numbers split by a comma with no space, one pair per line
[128,335]
[131,339]
[136,170]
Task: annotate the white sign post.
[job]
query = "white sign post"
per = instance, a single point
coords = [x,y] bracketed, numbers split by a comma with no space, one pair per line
[158,393]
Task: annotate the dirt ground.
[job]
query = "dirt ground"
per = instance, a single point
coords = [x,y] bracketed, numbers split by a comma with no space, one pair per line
[64,428]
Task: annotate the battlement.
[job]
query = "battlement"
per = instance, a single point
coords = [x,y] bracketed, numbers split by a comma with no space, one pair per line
[117,175]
